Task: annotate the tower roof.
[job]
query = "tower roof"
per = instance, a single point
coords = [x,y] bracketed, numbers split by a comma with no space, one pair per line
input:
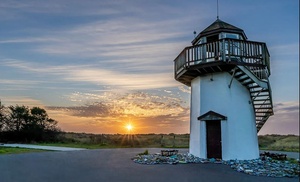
[217,27]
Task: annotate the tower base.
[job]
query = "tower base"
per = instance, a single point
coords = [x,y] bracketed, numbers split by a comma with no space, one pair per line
[226,128]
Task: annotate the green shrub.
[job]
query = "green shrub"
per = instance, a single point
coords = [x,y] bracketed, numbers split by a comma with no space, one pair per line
[146,152]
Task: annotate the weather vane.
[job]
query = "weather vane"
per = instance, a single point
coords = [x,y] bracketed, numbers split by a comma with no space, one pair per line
[217,9]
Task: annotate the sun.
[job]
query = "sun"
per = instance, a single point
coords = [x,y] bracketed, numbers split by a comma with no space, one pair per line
[129,127]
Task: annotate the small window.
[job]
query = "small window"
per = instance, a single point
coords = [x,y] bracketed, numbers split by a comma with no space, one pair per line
[232,36]
[201,41]
[213,38]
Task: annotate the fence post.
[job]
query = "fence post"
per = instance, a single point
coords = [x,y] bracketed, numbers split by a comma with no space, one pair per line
[161,140]
[174,141]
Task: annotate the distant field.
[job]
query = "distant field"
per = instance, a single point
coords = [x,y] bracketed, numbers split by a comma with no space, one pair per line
[288,143]
[92,141]
[266,142]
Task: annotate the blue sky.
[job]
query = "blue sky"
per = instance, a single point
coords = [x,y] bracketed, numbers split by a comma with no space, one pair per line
[97,65]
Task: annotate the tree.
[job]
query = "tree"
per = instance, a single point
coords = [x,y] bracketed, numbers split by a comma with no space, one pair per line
[2,117]
[22,124]
[18,117]
[39,117]
[40,127]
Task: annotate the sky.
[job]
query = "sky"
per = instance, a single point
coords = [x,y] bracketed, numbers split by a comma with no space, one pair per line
[96,66]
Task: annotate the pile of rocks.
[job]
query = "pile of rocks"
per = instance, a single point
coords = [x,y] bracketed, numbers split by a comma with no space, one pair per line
[258,167]
[267,167]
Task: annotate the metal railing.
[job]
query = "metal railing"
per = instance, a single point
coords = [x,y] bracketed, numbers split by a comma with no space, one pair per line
[255,53]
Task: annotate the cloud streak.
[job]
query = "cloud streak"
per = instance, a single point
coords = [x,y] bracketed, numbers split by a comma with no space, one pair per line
[22,100]
[86,73]
[93,57]
[140,104]
[284,121]
[146,111]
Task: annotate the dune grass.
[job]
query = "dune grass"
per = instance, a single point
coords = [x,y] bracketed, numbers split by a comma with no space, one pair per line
[95,141]
[289,143]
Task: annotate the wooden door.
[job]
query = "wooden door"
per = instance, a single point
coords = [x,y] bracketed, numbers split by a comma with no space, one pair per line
[213,139]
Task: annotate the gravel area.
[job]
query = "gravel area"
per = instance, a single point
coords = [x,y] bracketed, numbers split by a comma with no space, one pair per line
[258,167]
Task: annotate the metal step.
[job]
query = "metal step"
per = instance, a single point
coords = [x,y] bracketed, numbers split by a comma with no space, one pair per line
[259,92]
[244,79]
[261,99]
[238,74]
[248,83]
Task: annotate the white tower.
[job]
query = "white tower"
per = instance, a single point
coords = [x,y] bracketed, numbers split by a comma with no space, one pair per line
[230,92]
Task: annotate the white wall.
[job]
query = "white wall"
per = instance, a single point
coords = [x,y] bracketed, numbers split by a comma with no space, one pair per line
[239,136]
[194,114]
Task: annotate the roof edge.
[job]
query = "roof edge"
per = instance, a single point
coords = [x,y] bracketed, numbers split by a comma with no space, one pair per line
[211,115]
[219,26]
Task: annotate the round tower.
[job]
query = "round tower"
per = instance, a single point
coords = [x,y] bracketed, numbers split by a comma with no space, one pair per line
[230,91]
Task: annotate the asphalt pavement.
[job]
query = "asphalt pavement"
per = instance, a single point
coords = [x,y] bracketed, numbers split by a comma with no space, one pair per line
[112,165]
[42,147]
[294,155]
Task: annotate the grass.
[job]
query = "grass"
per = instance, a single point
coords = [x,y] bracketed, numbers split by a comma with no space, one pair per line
[288,143]
[77,145]
[12,150]
[95,141]
[293,161]
[146,152]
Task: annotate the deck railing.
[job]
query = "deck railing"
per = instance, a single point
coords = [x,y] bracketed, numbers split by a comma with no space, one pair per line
[249,52]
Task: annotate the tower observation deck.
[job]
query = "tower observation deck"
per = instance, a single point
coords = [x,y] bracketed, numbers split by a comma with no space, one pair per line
[222,47]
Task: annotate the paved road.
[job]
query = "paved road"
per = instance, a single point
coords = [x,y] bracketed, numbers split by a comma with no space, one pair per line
[294,155]
[112,165]
[42,147]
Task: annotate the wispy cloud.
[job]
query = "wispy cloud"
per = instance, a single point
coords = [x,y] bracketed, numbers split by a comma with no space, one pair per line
[17,85]
[144,109]
[74,46]
[102,35]
[18,82]
[130,48]
[286,107]
[291,49]
[284,121]
[22,100]
[140,104]
[115,41]
[98,76]
[184,89]
[28,40]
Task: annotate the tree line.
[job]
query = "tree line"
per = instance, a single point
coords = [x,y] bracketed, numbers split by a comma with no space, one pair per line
[24,124]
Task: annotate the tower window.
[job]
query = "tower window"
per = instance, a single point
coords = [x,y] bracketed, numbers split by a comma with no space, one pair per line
[232,36]
[213,38]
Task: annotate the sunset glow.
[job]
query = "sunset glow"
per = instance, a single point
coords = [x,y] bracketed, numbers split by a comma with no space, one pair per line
[106,67]
[129,127]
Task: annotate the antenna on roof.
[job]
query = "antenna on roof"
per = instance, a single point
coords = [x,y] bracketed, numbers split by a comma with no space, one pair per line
[217,9]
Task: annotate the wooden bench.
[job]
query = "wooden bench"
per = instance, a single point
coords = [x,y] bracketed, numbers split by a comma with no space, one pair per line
[275,156]
[169,152]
